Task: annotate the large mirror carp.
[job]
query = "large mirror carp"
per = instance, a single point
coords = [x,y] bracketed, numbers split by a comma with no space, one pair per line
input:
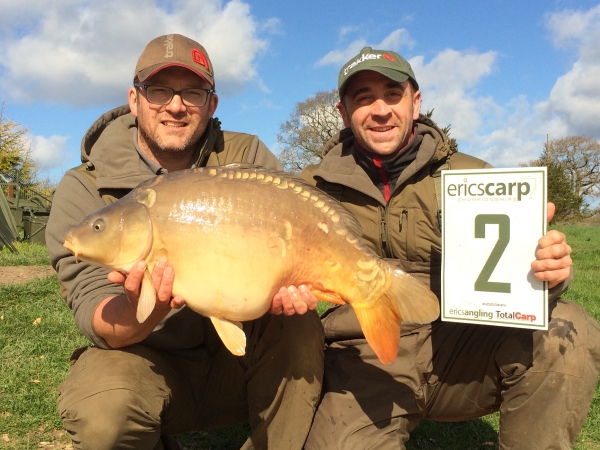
[234,235]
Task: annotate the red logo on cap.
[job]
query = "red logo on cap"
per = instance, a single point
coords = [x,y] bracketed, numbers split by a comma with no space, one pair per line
[389,57]
[198,57]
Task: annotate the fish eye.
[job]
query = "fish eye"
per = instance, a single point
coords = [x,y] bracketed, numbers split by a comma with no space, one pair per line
[98,225]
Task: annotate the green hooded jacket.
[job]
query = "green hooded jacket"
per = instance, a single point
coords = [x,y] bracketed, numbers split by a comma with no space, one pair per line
[111,167]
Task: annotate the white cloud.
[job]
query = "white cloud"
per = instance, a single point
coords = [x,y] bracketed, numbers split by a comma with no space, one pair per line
[519,130]
[83,53]
[575,98]
[273,26]
[395,41]
[48,153]
[448,83]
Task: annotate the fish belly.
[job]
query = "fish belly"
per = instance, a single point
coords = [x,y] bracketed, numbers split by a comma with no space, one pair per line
[231,274]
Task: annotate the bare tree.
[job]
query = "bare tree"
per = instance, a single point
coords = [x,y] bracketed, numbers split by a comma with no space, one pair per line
[580,158]
[312,123]
[570,205]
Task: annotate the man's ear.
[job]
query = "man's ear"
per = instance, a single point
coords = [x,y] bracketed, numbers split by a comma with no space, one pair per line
[213,102]
[416,105]
[132,100]
[342,109]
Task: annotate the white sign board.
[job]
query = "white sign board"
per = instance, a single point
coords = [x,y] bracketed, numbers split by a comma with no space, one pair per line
[491,222]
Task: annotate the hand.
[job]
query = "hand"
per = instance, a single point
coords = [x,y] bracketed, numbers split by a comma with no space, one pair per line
[293,300]
[553,261]
[163,277]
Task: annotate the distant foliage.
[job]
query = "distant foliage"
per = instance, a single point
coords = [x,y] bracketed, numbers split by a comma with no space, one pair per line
[312,123]
[570,205]
[579,156]
[446,129]
[15,155]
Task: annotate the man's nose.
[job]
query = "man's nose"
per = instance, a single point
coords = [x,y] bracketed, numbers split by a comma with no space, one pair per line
[176,104]
[380,108]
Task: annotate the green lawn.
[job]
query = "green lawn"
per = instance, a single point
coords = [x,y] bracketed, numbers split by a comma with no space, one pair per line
[37,336]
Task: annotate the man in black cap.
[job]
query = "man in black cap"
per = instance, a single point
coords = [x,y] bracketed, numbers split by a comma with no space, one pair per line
[140,382]
[383,168]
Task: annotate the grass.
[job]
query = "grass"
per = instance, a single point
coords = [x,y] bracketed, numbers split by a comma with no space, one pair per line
[37,336]
[29,255]
[34,360]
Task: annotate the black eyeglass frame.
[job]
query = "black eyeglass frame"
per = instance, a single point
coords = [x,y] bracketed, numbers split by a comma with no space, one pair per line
[174,93]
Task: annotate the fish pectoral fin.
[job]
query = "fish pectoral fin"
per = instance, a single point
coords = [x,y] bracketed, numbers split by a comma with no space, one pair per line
[147,299]
[380,323]
[330,297]
[232,335]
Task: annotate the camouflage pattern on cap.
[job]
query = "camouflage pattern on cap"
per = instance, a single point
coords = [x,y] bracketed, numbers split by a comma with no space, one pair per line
[385,62]
[174,50]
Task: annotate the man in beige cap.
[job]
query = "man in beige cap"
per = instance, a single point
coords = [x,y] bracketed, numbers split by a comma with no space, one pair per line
[140,383]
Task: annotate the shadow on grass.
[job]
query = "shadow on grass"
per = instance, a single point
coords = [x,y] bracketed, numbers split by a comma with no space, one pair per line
[230,438]
[469,435]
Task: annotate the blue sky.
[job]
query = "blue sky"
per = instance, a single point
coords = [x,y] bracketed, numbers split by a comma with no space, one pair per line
[504,73]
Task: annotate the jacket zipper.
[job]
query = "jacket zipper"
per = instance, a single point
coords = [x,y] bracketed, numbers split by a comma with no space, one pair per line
[403,213]
[384,233]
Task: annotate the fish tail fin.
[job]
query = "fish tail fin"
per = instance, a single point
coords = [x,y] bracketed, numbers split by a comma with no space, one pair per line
[147,299]
[414,301]
[405,299]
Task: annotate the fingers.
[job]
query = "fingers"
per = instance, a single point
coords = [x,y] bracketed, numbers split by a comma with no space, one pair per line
[553,246]
[293,300]
[277,302]
[133,282]
[307,296]
[116,277]
[550,209]
[553,261]
[296,303]
[163,277]
[177,302]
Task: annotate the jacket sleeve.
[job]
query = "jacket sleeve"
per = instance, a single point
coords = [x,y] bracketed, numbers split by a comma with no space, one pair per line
[82,285]
[560,288]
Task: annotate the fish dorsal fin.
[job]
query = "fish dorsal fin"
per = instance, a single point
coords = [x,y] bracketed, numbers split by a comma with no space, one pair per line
[232,335]
[286,180]
[147,298]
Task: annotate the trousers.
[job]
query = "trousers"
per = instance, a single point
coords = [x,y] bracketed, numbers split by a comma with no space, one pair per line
[128,398]
[542,382]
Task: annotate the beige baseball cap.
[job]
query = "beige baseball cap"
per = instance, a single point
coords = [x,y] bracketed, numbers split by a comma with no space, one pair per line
[174,50]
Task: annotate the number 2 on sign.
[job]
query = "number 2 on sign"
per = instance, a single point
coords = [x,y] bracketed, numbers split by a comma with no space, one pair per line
[483,282]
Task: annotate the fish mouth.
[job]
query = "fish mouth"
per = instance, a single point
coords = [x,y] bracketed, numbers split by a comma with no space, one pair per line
[69,246]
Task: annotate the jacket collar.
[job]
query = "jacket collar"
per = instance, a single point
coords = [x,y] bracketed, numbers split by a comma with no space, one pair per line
[339,166]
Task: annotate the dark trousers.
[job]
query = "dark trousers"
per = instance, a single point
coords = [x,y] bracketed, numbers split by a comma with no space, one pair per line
[128,398]
[542,382]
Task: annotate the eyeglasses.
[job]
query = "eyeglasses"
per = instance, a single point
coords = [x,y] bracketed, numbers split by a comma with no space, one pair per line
[162,95]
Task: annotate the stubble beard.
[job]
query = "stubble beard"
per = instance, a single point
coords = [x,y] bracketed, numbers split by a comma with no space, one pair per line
[157,147]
